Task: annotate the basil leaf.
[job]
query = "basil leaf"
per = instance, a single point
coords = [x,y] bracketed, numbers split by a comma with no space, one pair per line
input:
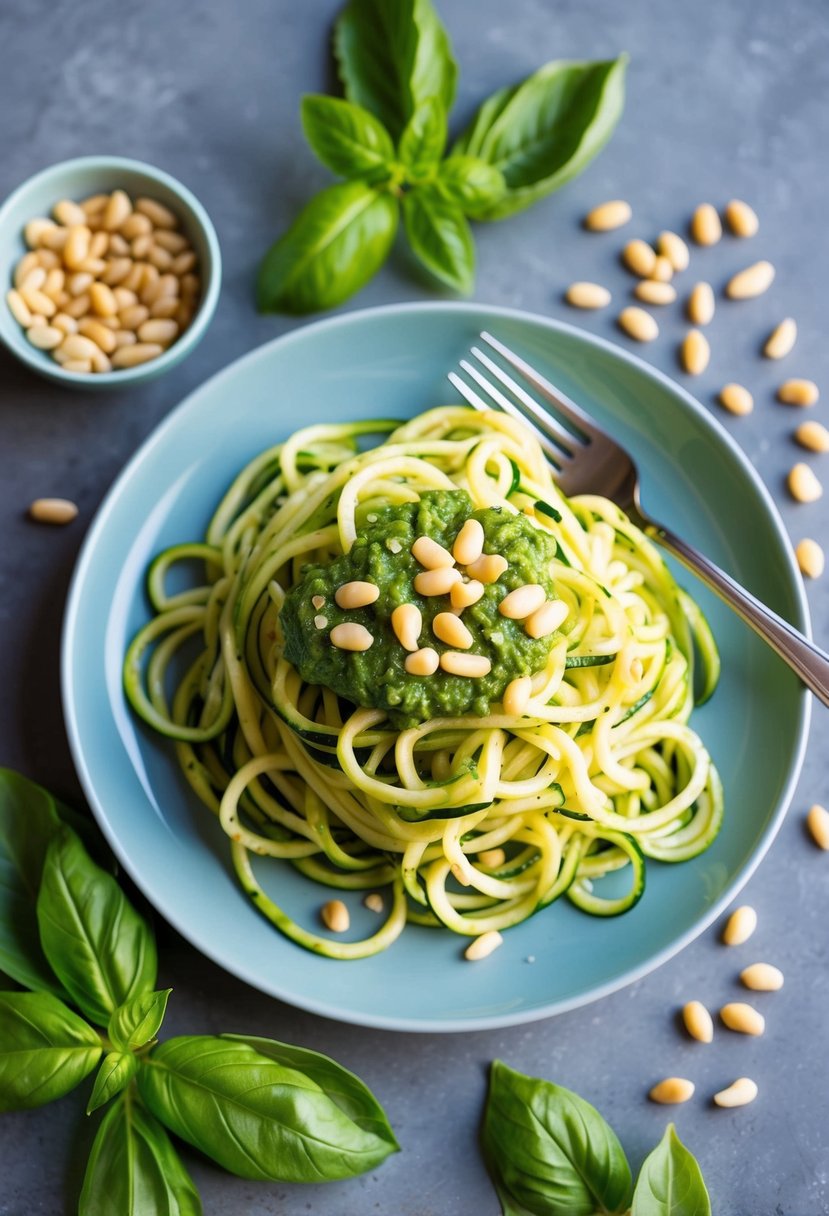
[440,237]
[549,1151]
[254,1116]
[331,250]
[115,1074]
[138,1020]
[102,951]
[543,132]
[346,138]
[470,183]
[134,1170]
[45,1049]
[392,55]
[670,1182]
[424,138]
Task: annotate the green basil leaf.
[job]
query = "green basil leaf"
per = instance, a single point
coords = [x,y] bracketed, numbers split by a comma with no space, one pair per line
[45,1049]
[550,1151]
[424,138]
[115,1074]
[470,183]
[440,237]
[331,250]
[670,1182]
[392,55]
[347,139]
[102,951]
[254,1116]
[134,1170]
[138,1020]
[543,132]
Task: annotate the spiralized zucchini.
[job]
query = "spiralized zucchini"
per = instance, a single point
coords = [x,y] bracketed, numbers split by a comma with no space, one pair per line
[472,823]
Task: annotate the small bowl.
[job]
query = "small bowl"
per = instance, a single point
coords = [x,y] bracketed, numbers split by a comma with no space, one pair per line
[78,179]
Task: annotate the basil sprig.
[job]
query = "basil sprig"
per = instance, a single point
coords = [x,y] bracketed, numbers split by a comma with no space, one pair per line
[550,1153]
[260,1108]
[388,138]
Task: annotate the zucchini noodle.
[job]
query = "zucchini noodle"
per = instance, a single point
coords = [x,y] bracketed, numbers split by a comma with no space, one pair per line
[472,823]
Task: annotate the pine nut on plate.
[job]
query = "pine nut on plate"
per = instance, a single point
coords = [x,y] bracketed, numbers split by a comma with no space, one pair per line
[483,946]
[334,915]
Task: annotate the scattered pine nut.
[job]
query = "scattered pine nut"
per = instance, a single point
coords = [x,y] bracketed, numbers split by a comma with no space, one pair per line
[803,484]
[695,352]
[373,901]
[587,295]
[473,666]
[348,636]
[639,258]
[355,594]
[483,946]
[736,399]
[546,619]
[817,822]
[463,595]
[423,662]
[674,249]
[798,392]
[407,622]
[608,216]
[517,696]
[638,324]
[698,1021]
[762,977]
[437,582]
[492,858]
[469,543]
[488,568]
[810,558]
[522,602]
[652,292]
[334,916]
[672,1091]
[430,554]
[663,270]
[740,925]
[706,228]
[751,282]
[320,622]
[318,601]
[781,340]
[742,1018]
[813,435]
[740,1093]
[701,304]
[53,510]
[741,219]
[450,629]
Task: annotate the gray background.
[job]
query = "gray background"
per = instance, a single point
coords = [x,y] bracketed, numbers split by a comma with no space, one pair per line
[725,98]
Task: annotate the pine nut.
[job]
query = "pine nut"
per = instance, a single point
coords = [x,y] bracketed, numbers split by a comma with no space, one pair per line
[798,392]
[436,582]
[706,228]
[168,285]
[407,622]
[77,365]
[803,484]
[469,543]
[158,215]
[76,346]
[79,283]
[517,696]
[38,301]
[184,262]
[672,1091]
[740,1093]
[813,435]
[355,594]
[348,636]
[736,399]
[652,292]
[165,307]
[68,213]
[608,216]
[423,662]
[141,352]
[522,602]
[98,245]
[136,225]
[44,337]
[701,304]
[639,258]
[450,629]
[76,249]
[53,510]
[318,601]
[124,298]
[117,210]
[47,258]
[53,287]
[663,270]
[740,925]
[94,266]
[472,665]
[102,300]
[19,308]
[373,901]
[142,245]
[158,330]
[741,219]
[35,280]
[430,554]
[742,1018]
[483,946]
[124,337]
[464,595]
[674,249]
[638,324]
[190,285]
[587,295]
[695,352]
[100,335]
[78,307]
[101,362]
[35,231]
[698,1021]
[488,568]
[37,321]
[546,619]
[173,242]
[183,315]
[161,259]
[762,977]
[94,204]
[118,246]
[781,340]
[320,622]
[335,916]
[133,316]
[116,271]
[752,281]
[817,822]
[810,558]
[24,267]
[149,284]
[54,238]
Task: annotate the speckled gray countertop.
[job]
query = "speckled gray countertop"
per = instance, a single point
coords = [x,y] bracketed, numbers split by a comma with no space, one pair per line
[725,99]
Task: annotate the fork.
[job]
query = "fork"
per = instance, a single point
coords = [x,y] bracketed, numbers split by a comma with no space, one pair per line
[587,460]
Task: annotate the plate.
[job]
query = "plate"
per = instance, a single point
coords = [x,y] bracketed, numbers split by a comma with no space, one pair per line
[393,362]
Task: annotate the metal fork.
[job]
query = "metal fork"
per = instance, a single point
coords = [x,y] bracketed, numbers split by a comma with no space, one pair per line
[587,460]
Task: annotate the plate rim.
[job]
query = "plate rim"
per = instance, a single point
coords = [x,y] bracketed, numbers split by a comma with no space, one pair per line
[468,1023]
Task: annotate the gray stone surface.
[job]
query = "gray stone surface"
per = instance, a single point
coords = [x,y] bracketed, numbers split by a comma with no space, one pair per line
[725,99]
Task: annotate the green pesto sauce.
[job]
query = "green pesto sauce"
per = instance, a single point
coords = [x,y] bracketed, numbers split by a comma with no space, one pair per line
[376,677]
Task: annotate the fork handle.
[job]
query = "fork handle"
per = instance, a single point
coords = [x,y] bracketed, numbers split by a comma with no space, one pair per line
[809,662]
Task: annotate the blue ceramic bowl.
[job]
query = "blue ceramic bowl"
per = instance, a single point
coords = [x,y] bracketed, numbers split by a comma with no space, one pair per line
[78,179]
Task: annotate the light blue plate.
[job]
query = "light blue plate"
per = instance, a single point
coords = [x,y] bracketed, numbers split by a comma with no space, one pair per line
[393,361]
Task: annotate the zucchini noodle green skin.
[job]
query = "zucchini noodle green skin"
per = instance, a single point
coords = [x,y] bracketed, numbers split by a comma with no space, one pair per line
[601,773]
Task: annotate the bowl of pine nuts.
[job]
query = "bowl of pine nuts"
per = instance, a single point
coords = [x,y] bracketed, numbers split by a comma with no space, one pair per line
[112,271]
